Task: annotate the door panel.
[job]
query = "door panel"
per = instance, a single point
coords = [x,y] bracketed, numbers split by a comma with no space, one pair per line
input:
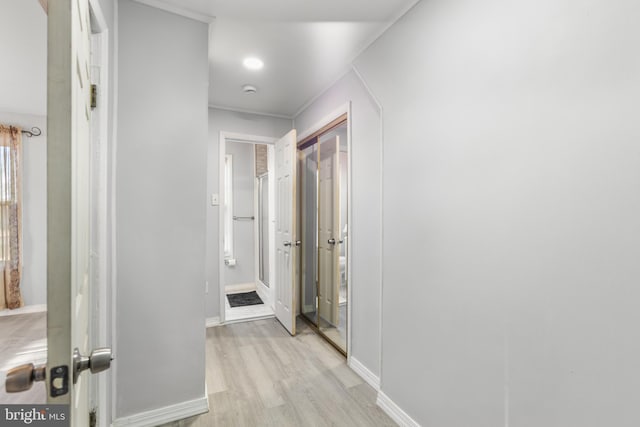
[308,194]
[328,230]
[285,231]
[68,174]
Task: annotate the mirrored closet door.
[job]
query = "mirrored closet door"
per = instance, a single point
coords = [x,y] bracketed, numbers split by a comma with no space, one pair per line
[323,195]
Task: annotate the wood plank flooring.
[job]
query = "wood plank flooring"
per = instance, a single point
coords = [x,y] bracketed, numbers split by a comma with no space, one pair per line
[23,339]
[258,375]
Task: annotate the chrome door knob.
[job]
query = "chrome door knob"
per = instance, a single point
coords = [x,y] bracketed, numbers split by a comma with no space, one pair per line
[100,360]
[287,244]
[298,242]
[331,241]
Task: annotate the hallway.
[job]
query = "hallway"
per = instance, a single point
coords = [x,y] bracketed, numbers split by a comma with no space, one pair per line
[258,375]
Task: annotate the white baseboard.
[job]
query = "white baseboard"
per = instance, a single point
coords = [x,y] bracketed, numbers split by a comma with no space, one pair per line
[395,412]
[165,415]
[372,379]
[36,308]
[213,321]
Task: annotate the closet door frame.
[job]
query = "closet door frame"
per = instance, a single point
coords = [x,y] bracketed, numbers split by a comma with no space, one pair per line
[327,123]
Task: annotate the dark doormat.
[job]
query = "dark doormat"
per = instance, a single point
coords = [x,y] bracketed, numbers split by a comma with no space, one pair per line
[245,298]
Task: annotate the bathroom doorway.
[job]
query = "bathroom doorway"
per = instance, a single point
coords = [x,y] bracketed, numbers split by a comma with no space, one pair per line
[323,186]
[248,213]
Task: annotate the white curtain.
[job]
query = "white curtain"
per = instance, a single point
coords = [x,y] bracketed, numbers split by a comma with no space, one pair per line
[10,217]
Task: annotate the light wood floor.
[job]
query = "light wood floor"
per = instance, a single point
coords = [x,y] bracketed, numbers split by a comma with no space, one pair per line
[258,375]
[23,339]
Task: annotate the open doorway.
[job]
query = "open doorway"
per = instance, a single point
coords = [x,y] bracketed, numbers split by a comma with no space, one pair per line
[248,228]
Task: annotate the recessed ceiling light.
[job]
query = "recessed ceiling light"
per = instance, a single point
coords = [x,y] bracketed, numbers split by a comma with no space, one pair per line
[253,63]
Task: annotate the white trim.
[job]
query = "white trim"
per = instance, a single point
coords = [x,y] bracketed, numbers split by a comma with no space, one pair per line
[271,156]
[172,8]
[365,46]
[324,89]
[98,15]
[249,319]
[112,211]
[36,308]
[263,292]
[381,183]
[99,246]
[249,139]
[212,321]
[350,234]
[100,295]
[221,265]
[395,412]
[222,143]
[167,414]
[372,379]
[384,29]
[254,112]
[227,207]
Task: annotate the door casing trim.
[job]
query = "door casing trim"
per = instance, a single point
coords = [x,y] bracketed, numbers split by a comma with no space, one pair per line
[223,139]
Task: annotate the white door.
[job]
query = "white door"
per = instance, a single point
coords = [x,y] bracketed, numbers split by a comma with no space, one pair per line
[285,231]
[68,217]
[68,208]
[329,231]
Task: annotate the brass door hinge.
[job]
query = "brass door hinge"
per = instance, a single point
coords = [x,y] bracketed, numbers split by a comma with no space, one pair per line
[94,96]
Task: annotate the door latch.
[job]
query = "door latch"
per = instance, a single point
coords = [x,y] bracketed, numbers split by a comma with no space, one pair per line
[59,382]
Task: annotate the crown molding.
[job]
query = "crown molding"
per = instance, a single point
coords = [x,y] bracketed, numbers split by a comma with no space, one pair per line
[172,8]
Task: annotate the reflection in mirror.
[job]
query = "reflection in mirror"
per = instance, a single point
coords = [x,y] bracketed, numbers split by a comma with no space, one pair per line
[308,172]
[323,187]
[332,240]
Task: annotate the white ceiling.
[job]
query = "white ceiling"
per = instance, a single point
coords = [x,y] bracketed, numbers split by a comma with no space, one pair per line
[23,49]
[305,45]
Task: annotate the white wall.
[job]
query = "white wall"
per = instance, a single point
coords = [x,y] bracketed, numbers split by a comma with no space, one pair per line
[34,207]
[161,197]
[23,102]
[228,121]
[511,211]
[365,232]
[24,57]
[243,231]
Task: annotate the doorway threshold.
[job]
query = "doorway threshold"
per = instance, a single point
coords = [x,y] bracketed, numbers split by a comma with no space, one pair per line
[249,319]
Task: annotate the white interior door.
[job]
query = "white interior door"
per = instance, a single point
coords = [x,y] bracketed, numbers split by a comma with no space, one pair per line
[68,212]
[329,230]
[285,231]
